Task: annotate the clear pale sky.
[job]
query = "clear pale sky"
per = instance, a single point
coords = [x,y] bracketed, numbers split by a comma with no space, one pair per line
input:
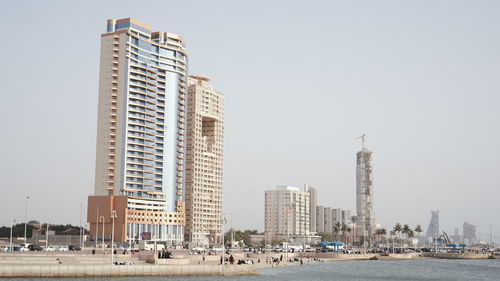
[302,79]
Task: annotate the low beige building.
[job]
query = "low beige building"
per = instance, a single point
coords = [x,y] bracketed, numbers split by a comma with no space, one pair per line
[286,212]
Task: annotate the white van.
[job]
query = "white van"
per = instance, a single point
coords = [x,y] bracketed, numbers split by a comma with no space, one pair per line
[150,246]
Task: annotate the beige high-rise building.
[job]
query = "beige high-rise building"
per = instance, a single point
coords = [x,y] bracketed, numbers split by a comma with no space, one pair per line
[286,212]
[204,163]
[139,175]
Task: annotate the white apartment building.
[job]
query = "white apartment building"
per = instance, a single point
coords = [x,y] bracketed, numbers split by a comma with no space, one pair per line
[204,163]
[287,212]
[313,202]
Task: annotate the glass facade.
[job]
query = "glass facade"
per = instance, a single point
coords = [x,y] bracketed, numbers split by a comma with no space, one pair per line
[156,82]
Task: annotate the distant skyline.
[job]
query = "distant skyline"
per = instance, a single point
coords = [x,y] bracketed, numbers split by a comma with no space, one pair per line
[301,81]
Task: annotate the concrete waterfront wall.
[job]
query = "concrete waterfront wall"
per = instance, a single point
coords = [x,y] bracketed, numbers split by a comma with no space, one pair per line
[456,255]
[71,271]
[330,255]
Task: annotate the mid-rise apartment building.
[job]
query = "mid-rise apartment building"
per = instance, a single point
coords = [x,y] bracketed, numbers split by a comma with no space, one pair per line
[140,157]
[286,212]
[327,218]
[204,163]
[313,202]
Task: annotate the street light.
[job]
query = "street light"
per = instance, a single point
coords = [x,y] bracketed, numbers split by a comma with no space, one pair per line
[11,225]
[101,219]
[97,227]
[25,218]
[224,221]
[113,216]
[47,236]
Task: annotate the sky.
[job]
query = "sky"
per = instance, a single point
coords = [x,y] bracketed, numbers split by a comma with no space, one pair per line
[302,80]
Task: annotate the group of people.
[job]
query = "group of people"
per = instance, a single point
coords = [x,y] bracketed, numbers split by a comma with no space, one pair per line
[123,263]
[164,254]
[105,252]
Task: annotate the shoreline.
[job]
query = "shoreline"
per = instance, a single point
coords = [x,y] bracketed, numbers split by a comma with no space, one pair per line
[43,266]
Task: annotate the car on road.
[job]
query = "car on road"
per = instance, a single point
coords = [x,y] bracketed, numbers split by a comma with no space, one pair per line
[62,249]
[49,249]
[198,249]
[35,248]
[74,248]
[217,249]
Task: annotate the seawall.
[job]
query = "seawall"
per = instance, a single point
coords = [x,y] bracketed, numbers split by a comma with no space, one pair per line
[72,271]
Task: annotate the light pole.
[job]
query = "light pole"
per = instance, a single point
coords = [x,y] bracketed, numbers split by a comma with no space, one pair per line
[224,221]
[11,226]
[96,226]
[232,231]
[25,218]
[81,229]
[113,216]
[101,218]
[47,236]
[155,238]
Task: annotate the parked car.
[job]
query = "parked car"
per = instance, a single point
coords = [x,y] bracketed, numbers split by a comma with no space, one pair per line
[198,249]
[74,248]
[35,248]
[62,249]
[4,249]
[24,249]
[49,249]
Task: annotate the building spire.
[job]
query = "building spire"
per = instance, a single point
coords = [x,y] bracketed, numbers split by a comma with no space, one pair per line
[362,137]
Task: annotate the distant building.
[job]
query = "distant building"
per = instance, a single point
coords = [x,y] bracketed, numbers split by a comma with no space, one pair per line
[286,212]
[345,217]
[433,229]
[337,216]
[456,238]
[469,233]
[313,202]
[320,219]
[327,218]
[364,192]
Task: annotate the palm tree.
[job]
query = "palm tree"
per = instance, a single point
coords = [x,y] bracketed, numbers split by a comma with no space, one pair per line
[406,230]
[410,234]
[343,228]
[418,229]
[348,229]
[337,228]
[397,228]
[381,232]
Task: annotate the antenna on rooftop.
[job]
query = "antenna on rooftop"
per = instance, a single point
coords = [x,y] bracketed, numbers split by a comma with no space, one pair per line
[362,137]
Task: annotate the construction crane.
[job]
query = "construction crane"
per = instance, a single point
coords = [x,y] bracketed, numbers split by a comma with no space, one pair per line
[362,137]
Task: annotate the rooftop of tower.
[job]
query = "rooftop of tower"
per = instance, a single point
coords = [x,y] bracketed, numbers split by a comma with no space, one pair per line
[145,27]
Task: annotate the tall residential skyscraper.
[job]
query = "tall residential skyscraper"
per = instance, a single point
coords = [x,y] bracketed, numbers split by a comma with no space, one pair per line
[433,229]
[204,163]
[364,191]
[141,133]
[313,202]
[286,212]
